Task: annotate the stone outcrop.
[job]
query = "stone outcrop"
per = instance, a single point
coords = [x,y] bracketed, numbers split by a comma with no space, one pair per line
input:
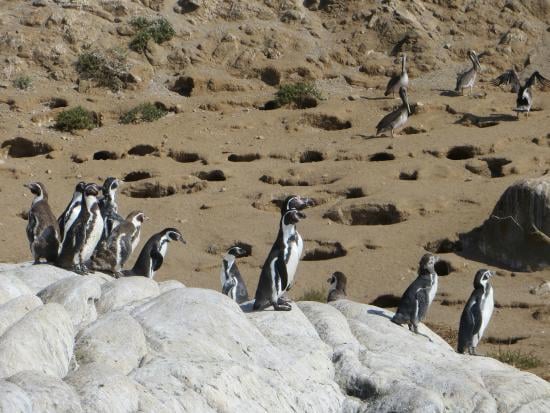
[95,344]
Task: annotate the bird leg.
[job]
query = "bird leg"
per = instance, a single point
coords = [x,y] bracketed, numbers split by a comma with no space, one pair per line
[392,133]
[281,307]
[415,331]
[283,301]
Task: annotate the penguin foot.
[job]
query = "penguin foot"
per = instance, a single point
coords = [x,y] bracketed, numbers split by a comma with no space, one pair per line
[282,307]
[282,301]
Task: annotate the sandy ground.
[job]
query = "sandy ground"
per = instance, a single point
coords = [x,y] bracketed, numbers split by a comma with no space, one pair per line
[444,200]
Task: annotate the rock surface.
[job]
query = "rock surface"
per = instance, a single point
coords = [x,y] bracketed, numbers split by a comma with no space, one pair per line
[178,349]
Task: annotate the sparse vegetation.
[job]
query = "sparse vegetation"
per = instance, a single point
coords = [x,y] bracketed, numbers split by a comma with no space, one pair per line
[517,358]
[301,94]
[160,30]
[22,82]
[107,69]
[146,112]
[76,118]
[314,295]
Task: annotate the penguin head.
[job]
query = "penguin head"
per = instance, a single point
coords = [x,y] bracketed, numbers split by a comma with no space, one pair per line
[236,251]
[79,188]
[427,264]
[296,202]
[136,218]
[172,234]
[338,281]
[109,187]
[91,190]
[482,278]
[38,189]
[292,217]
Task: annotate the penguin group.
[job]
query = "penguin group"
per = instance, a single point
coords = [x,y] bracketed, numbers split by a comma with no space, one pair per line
[90,235]
[466,79]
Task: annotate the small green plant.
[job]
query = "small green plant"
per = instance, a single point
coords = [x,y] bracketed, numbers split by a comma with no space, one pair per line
[22,82]
[297,94]
[517,358]
[146,112]
[108,69]
[75,118]
[160,30]
[314,295]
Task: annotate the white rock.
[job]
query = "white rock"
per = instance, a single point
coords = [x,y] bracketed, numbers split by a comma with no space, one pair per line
[126,290]
[13,310]
[42,340]
[78,295]
[165,286]
[12,287]
[102,389]
[38,277]
[47,393]
[13,399]
[115,340]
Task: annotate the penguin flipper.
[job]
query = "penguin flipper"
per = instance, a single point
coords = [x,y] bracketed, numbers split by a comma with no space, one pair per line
[156,260]
[227,286]
[422,297]
[280,267]
[467,325]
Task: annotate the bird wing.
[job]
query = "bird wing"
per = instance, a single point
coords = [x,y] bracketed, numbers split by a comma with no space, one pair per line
[510,77]
[125,245]
[31,225]
[156,260]
[391,84]
[387,120]
[423,301]
[228,285]
[280,267]
[476,316]
[536,76]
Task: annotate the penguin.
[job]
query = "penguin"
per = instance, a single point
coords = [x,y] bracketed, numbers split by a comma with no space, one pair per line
[418,297]
[232,283]
[84,235]
[67,218]
[476,314]
[296,202]
[153,252]
[109,207]
[42,227]
[337,289]
[112,253]
[278,271]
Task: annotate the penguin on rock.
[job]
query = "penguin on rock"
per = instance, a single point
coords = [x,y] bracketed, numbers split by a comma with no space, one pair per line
[337,288]
[232,282]
[109,207]
[68,217]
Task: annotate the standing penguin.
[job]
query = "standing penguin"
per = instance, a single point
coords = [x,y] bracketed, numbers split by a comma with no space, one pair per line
[418,297]
[109,207]
[295,202]
[42,227]
[278,271]
[68,217]
[112,253]
[84,235]
[337,289]
[476,314]
[232,283]
[153,252]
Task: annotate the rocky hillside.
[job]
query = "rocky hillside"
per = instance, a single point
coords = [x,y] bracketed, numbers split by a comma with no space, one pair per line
[93,344]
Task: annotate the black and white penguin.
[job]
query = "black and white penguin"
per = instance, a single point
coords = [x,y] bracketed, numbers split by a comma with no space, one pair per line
[153,252]
[418,297]
[296,202]
[68,217]
[42,227]
[278,271]
[84,235]
[109,207]
[477,313]
[232,283]
[337,288]
[112,253]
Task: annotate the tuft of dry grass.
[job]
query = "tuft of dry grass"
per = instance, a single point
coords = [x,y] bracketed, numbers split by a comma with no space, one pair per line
[450,335]
[517,358]
[313,294]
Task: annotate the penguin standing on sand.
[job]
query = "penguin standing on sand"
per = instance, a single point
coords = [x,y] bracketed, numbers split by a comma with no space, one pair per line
[337,289]
[112,253]
[84,235]
[232,283]
[280,266]
[153,252]
[418,297]
[477,313]
[109,207]
[68,217]
[42,227]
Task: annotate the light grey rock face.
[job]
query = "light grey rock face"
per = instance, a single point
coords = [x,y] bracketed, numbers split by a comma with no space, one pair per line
[47,393]
[37,277]
[390,369]
[13,310]
[12,287]
[123,291]
[42,340]
[166,286]
[115,340]
[78,295]
[13,399]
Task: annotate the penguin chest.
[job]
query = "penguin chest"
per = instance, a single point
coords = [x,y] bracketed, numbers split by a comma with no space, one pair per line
[487,306]
[163,249]
[433,290]
[292,257]
[93,235]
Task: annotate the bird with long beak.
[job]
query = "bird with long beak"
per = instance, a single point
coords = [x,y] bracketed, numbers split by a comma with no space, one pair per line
[397,118]
[467,79]
[398,81]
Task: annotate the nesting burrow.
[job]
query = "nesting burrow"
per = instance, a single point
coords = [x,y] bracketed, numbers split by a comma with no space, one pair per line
[299,181]
[183,85]
[354,192]
[214,175]
[325,122]
[443,246]
[105,156]
[20,147]
[142,150]
[386,301]
[324,250]
[156,189]
[443,267]
[247,157]
[462,152]
[408,175]
[270,76]
[382,156]
[186,157]
[311,156]
[55,102]
[137,176]
[496,166]
[367,214]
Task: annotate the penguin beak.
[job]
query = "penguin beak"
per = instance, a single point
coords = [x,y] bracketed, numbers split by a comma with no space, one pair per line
[328,279]
[182,240]
[308,202]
